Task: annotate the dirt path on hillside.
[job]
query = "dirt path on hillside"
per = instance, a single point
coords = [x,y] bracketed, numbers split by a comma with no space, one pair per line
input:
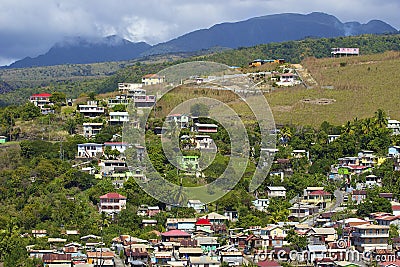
[305,76]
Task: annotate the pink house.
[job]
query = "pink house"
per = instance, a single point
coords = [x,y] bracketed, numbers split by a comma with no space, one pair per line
[151,211]
[112,203]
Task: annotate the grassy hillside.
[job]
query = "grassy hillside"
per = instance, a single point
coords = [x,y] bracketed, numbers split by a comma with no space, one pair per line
[348,88]
[358,87]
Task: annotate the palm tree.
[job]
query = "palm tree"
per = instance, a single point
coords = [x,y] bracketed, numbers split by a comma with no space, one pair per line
[179,198]
[380,118]
[349,128]
[278,216]
[367,125]
[285,134]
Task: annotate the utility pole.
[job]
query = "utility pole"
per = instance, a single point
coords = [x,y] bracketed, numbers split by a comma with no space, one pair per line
[49,127]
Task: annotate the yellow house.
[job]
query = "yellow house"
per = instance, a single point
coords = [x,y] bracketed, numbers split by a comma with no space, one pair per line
[273,231]
[317,197]
[151,79]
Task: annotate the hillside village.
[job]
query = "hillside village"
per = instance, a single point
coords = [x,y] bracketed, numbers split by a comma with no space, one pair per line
[331,197]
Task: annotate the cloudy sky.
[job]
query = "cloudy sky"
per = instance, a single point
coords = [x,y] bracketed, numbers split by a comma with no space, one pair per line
[30,28]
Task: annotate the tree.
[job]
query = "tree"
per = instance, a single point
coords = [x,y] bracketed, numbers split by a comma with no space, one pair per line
[111,153]
[393,232]
[77,178]
[119,108]
[70,125]
[373,203]
[29,111]
[58,98]
[278,210]
[249,220]
[380,118]
[92,95]
[296,242]
[106,134]
[285,134]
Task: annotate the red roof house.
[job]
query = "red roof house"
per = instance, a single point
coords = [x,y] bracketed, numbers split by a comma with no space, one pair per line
[203,222]
[319,193]
[40,100]
[175,236]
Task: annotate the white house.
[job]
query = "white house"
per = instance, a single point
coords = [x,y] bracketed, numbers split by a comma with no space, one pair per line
[197,205]
[90,129]
[40,100]
[204,142]
[90,150]
[109,166]
[288,79]
[91,110]
[151,79]
[332,137]
[125,88]
[184,224]
[394,125]
[216,218]
[118,117]
[144,101]
[118,100]
[182,120]
[368,237]
[120,146]
[276,191]
[394,151]
[300,153]
[203,261]
[388,220]
[301,211]
[373,180]
[261,204]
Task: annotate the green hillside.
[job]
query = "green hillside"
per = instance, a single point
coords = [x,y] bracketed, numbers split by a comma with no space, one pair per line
[103,77]
[296,51]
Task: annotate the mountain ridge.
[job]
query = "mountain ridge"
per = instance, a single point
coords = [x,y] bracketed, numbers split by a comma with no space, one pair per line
[253,31]
[293,27]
